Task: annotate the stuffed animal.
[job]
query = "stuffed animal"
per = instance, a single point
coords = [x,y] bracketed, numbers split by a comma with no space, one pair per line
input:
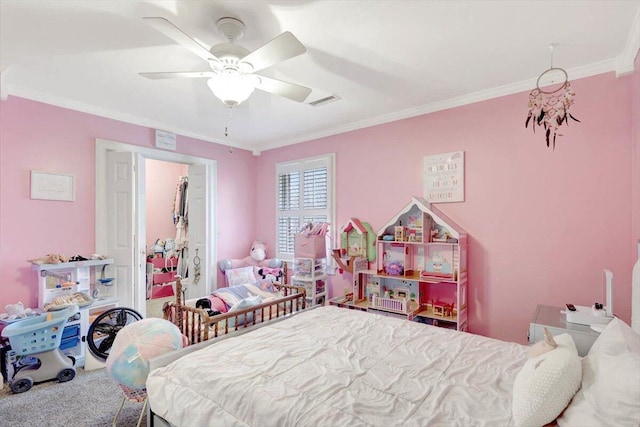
[49,259]
[257,257]
[170,249]
[15,311]
[271,274]
[544,346]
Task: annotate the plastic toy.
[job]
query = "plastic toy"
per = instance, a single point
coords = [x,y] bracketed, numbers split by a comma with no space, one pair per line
[40,336]
[257,257]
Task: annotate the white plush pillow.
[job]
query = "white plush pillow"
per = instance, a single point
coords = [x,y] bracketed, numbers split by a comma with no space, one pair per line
[240,276]
[241,305]
[546,383]
[610,393]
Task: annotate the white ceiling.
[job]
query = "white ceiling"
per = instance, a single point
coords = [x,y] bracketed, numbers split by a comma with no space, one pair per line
[386,60]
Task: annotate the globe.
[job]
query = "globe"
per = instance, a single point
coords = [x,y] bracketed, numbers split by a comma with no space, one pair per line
[135,344]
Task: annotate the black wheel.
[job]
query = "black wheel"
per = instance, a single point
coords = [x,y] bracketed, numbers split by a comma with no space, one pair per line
[104,329]
[21,385]
[66,375]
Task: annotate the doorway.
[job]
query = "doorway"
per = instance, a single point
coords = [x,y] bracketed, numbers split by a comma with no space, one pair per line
[166,185]
[121,218]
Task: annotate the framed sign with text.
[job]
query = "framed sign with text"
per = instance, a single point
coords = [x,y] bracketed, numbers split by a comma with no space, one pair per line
[52,186]
[444,177]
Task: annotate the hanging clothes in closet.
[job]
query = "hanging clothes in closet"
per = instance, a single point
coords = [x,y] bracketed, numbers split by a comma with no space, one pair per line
[181,221]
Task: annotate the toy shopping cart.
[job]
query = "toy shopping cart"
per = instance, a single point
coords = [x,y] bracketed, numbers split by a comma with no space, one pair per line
[39,337]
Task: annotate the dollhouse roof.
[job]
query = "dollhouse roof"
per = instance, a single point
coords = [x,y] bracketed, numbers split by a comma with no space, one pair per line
[354,223]
[438,216]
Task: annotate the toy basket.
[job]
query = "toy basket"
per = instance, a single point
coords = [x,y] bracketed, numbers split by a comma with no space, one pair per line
[37,334]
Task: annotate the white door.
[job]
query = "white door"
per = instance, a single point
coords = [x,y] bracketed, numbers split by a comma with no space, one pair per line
[124,217]
[199,233]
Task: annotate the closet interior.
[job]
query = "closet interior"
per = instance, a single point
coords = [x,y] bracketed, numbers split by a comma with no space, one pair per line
[167,189]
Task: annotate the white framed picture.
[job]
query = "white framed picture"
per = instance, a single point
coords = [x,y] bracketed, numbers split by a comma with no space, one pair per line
[444,177]
[52,186]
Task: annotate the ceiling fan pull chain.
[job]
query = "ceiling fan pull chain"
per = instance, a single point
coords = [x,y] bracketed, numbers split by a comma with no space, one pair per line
[227,124]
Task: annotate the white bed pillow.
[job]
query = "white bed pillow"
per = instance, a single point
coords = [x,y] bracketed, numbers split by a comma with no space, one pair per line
[610,393]
[546,383]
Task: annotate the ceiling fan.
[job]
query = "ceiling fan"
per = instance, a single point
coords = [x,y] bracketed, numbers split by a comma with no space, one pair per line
[233,68]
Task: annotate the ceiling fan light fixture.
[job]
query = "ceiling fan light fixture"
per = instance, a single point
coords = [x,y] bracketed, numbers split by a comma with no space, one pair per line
[232,87]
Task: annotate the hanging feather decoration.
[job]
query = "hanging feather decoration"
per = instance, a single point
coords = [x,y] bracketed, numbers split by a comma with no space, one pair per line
[550,109]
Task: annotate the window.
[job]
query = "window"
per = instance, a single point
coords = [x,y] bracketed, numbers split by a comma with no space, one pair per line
[304,189]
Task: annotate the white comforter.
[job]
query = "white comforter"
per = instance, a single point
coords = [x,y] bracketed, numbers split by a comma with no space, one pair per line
[337,367]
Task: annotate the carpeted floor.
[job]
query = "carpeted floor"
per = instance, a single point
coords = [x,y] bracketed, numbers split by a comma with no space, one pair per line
[92,398]
[154,306]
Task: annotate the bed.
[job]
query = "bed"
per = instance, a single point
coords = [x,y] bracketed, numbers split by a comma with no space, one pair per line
[330,366]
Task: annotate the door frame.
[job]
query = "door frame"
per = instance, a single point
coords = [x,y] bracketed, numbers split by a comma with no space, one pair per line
[104,146]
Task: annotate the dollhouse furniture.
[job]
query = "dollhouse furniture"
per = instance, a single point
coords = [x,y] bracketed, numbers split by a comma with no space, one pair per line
[422,250]
[53,281]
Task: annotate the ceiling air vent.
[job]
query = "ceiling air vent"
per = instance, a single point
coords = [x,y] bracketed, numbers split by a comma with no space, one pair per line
[324,101]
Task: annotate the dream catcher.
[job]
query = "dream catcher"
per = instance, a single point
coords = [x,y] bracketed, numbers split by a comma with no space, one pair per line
[550,108]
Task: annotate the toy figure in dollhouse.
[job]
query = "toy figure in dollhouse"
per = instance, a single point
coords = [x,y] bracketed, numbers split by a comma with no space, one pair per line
[439,233]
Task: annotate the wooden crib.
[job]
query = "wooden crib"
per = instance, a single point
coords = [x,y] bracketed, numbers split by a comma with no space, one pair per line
[198,326]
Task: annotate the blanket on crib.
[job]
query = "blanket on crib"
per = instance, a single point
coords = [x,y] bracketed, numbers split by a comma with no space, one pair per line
[235,294]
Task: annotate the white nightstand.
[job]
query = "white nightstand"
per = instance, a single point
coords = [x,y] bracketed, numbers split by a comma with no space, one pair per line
[554,320]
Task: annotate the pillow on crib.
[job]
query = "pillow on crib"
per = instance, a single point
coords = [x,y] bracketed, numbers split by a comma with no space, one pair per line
[610,393]
[546,383]
[240,276]
[241,305]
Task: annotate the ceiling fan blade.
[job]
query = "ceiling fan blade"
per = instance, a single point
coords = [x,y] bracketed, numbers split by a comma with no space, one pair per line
[283,47]
[178,75]
[179,36]
[288,90]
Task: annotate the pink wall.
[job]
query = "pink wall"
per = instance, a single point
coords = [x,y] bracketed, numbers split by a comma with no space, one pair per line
[47,138]
[161,181]
[635,157]
[542,223]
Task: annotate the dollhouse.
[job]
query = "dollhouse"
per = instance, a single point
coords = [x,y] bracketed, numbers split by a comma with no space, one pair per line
[421,269]
[357,246]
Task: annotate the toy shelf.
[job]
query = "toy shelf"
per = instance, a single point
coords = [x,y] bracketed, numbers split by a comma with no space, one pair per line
[52,280]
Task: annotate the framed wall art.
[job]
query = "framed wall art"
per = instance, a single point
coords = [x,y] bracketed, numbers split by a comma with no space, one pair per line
[52,186]
[444,177]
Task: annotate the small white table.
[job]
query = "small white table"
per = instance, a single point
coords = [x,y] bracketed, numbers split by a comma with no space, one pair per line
[554,319]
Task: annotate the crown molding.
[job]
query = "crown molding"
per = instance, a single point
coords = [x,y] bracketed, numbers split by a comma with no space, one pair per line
[625,61]
[111,114]
[509,89]
[3,87]
[484,95]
